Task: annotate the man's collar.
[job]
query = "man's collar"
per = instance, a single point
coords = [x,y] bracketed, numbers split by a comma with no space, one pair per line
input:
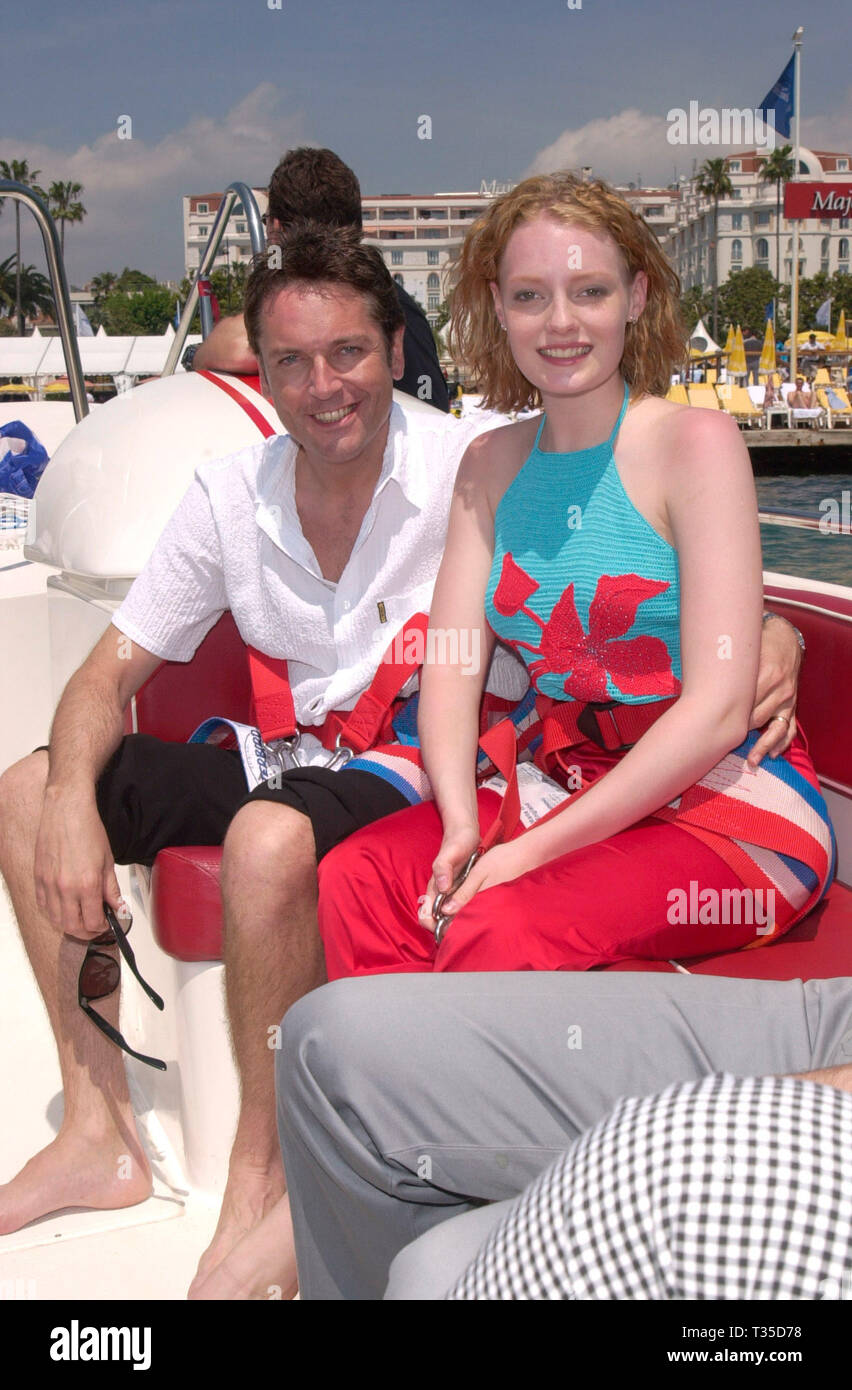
[403,464]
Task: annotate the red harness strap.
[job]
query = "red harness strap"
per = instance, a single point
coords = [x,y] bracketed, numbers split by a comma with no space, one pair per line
[359,728]
[564,724]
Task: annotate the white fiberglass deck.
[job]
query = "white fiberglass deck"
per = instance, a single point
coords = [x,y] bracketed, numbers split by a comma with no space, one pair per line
[149,1251]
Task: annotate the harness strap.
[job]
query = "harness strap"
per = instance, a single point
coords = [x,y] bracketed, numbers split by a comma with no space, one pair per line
[563,725]
[358,728]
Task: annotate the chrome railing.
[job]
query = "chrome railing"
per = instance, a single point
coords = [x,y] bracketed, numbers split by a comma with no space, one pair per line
[59,285]
[233,192]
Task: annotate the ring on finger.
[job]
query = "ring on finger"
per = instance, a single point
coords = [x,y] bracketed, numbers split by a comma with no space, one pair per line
[783,718]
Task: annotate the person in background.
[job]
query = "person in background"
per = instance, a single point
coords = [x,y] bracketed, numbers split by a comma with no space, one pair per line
[317,185]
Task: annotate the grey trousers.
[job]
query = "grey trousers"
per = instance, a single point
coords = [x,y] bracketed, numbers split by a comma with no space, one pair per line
[404,1100]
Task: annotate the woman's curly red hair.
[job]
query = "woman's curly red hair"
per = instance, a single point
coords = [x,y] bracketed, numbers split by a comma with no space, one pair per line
[654,347]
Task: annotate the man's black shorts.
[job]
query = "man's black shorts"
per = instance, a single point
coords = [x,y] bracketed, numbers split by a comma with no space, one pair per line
[153,794]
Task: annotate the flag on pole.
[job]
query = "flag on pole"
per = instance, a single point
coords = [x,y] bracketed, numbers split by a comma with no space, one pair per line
[823,314]
[779,99]
[81,323]
[177,313]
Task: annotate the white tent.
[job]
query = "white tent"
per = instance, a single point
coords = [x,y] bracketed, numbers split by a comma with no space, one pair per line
[100,355]
[701,342]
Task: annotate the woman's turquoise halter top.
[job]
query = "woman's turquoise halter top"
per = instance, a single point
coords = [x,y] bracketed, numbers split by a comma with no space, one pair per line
[582,586]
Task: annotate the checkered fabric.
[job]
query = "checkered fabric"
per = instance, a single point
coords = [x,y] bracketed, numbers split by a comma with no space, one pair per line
[728,1188]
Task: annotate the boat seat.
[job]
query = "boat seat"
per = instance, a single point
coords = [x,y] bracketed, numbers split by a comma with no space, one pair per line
[819,948]
[185,906]
[186,915]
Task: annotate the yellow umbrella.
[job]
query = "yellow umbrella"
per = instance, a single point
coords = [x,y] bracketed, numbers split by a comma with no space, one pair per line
[838,342]
[730,340]
[767,356]
[823,338]
[737,360]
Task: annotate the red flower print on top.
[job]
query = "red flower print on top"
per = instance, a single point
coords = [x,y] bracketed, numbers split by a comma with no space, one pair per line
[639,666]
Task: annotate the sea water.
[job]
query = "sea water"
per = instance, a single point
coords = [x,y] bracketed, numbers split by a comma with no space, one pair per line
[811,554]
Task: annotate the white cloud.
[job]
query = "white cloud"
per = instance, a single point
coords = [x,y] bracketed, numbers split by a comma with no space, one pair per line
[618,148]
[631,143]
[132,188]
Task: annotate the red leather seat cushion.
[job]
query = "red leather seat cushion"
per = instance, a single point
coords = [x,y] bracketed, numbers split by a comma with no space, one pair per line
[186,910]
[819,948]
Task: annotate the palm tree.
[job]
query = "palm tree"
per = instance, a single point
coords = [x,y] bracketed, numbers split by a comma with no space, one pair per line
[19,171]
[777,169]
[101,286]
[63,207]
[30,288]
[713,182]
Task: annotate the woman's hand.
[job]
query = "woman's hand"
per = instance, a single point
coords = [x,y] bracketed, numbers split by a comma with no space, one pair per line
[500,865]
[457,846]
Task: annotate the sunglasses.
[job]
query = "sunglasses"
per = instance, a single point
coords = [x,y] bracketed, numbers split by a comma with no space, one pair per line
[99,977]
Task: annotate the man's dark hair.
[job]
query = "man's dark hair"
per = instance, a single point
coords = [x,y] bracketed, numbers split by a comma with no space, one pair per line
[314,185]
[313,255]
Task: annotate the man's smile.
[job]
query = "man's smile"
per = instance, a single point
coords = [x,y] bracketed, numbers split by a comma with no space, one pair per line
[333,417]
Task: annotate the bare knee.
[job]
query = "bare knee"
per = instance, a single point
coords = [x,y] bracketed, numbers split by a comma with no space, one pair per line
[269,844]
[22,793]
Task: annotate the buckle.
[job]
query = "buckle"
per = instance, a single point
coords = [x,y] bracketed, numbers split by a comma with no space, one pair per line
[588,724]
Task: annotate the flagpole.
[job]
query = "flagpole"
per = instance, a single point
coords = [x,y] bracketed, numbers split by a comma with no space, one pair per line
[794,285]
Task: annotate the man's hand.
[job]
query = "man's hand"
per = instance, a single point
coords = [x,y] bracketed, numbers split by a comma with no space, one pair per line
[775,697]
[74,869]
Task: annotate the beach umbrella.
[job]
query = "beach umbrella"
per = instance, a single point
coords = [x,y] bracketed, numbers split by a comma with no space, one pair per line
[823,338]
[737,360]
[767,356]
[730,340]
[839,341]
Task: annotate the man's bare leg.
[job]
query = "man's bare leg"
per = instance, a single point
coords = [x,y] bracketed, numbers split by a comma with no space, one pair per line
[96,1159]
[273,955]
[262,1264]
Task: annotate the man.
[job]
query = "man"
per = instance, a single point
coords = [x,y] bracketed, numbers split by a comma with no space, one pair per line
[802,397]
[405,1100]
[317,185]
[322,542]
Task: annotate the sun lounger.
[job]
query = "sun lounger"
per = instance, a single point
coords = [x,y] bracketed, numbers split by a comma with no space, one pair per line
[737,401]
[835,402]
[703,395]
[677,393]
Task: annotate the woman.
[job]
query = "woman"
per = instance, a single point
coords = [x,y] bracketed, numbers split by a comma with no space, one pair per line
[613,543]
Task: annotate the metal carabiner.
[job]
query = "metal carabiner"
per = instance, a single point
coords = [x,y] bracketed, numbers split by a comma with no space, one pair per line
[286,752]
[341,756]
[442,921]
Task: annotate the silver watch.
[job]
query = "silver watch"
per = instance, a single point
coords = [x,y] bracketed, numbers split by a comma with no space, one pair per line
[799,638]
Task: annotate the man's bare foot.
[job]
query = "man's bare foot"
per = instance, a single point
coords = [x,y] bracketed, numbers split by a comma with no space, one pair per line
[260,1266]
[248,1197]
[75,1171]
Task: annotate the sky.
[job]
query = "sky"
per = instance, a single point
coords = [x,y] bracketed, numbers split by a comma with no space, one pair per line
[217,90]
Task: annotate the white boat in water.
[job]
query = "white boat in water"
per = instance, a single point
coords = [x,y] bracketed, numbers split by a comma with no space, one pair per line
[110,486]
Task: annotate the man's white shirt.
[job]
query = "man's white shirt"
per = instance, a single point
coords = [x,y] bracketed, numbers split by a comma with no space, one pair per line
[235,541]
